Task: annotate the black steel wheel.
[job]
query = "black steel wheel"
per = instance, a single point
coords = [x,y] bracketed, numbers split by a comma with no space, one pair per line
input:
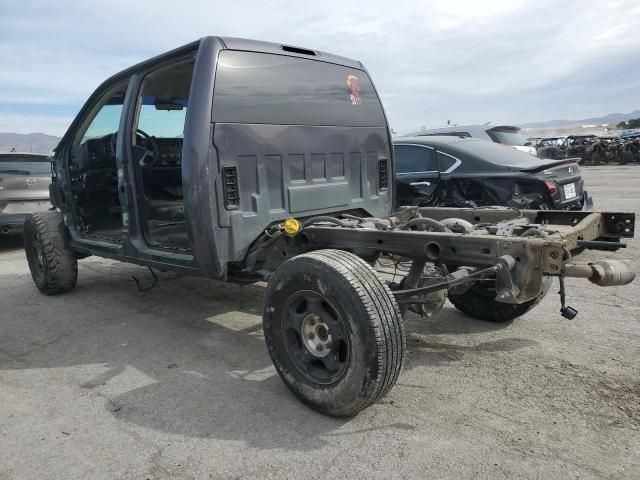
[54,268]
[315,337]
[334,331]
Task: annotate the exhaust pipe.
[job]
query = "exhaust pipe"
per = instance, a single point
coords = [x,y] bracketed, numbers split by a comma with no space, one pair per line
[5,230]
[605,273]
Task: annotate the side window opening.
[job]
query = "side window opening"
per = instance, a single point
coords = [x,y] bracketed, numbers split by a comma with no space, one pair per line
[93,169]
[414,159]
[157,152]
[107,119]
[445,162]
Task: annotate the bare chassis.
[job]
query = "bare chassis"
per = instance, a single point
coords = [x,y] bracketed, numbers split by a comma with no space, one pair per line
[541,242]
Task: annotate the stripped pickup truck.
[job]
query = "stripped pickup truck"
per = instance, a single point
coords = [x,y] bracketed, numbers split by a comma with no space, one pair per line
[247,161]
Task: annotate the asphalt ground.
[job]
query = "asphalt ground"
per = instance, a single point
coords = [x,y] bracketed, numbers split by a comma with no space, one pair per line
[110,382]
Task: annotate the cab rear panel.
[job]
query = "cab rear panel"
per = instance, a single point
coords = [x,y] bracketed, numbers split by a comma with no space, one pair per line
[271,172]
[293,136]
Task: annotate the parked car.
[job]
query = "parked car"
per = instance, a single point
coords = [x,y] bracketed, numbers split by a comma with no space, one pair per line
[24,188]
[552,147]
[586,149]
[468,172]
[505,134]
[629,149]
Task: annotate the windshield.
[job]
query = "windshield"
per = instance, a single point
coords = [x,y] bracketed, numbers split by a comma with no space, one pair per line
[162,123]
[508,137]
[25,167]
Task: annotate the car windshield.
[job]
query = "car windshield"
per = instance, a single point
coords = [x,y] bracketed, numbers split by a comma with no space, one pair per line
[163,118]
[25,167]
[508,137]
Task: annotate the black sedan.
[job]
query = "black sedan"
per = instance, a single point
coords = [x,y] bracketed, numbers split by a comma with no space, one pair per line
[468,172]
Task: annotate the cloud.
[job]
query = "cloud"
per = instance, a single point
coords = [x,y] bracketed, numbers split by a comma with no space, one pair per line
[467,61]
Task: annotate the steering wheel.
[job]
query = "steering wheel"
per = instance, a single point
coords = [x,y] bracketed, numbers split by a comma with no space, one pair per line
[149,150]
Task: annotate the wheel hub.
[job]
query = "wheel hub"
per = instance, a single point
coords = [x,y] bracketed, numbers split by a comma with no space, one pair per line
[38,257]
[316,335]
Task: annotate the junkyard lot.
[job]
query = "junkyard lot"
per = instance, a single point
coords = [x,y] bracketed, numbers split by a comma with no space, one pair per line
[110,382]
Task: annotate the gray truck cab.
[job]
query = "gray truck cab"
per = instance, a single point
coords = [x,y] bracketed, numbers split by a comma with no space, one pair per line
[186,158]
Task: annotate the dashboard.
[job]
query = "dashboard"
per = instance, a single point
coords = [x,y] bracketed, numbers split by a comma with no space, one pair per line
[93,164]
[100,152]
[169,153]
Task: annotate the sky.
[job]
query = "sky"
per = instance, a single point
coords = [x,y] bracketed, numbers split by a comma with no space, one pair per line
[467,61]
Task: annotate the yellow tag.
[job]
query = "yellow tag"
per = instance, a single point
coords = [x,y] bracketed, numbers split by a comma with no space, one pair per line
[292,226]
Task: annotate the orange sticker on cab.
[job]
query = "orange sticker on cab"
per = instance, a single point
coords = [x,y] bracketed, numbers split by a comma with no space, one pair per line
[354,87]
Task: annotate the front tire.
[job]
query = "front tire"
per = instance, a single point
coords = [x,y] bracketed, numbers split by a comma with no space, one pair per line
[334,331]
[54,268]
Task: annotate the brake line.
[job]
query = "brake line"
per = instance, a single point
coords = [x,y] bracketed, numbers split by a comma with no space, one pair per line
[443,285]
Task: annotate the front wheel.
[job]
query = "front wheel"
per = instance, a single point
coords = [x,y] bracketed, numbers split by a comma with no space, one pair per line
[334,331]
[54,268]
[479,302]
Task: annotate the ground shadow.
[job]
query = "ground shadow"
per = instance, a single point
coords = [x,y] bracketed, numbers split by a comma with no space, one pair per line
[426,347]
[186,357]
[11,242]
[195,347]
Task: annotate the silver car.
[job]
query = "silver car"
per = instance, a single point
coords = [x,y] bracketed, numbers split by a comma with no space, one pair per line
[24,188]
[505,134]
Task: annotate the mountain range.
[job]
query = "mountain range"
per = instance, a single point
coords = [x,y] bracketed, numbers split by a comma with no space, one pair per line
[28,142]
[611,119]
[43,143]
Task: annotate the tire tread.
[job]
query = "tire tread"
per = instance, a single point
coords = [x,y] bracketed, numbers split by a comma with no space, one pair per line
[61,265]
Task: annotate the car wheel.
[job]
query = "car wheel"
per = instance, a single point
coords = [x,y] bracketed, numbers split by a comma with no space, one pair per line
[334,331]
[596,158]
[54,268]
[479,302]
[626,157]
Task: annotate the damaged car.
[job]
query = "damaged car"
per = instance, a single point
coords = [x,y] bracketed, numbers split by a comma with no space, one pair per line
[450,171]
[552,147]
[629,149]
[247,161]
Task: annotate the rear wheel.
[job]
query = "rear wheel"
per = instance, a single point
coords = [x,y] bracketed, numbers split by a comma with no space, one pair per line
[626,157]
[479,302]
[597,158]
[334,331]
[53,266]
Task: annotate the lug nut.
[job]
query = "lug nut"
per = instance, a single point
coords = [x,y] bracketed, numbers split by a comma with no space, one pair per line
[319,348]
[311,336]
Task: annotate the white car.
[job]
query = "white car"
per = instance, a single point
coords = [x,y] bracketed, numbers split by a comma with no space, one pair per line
[505,134]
